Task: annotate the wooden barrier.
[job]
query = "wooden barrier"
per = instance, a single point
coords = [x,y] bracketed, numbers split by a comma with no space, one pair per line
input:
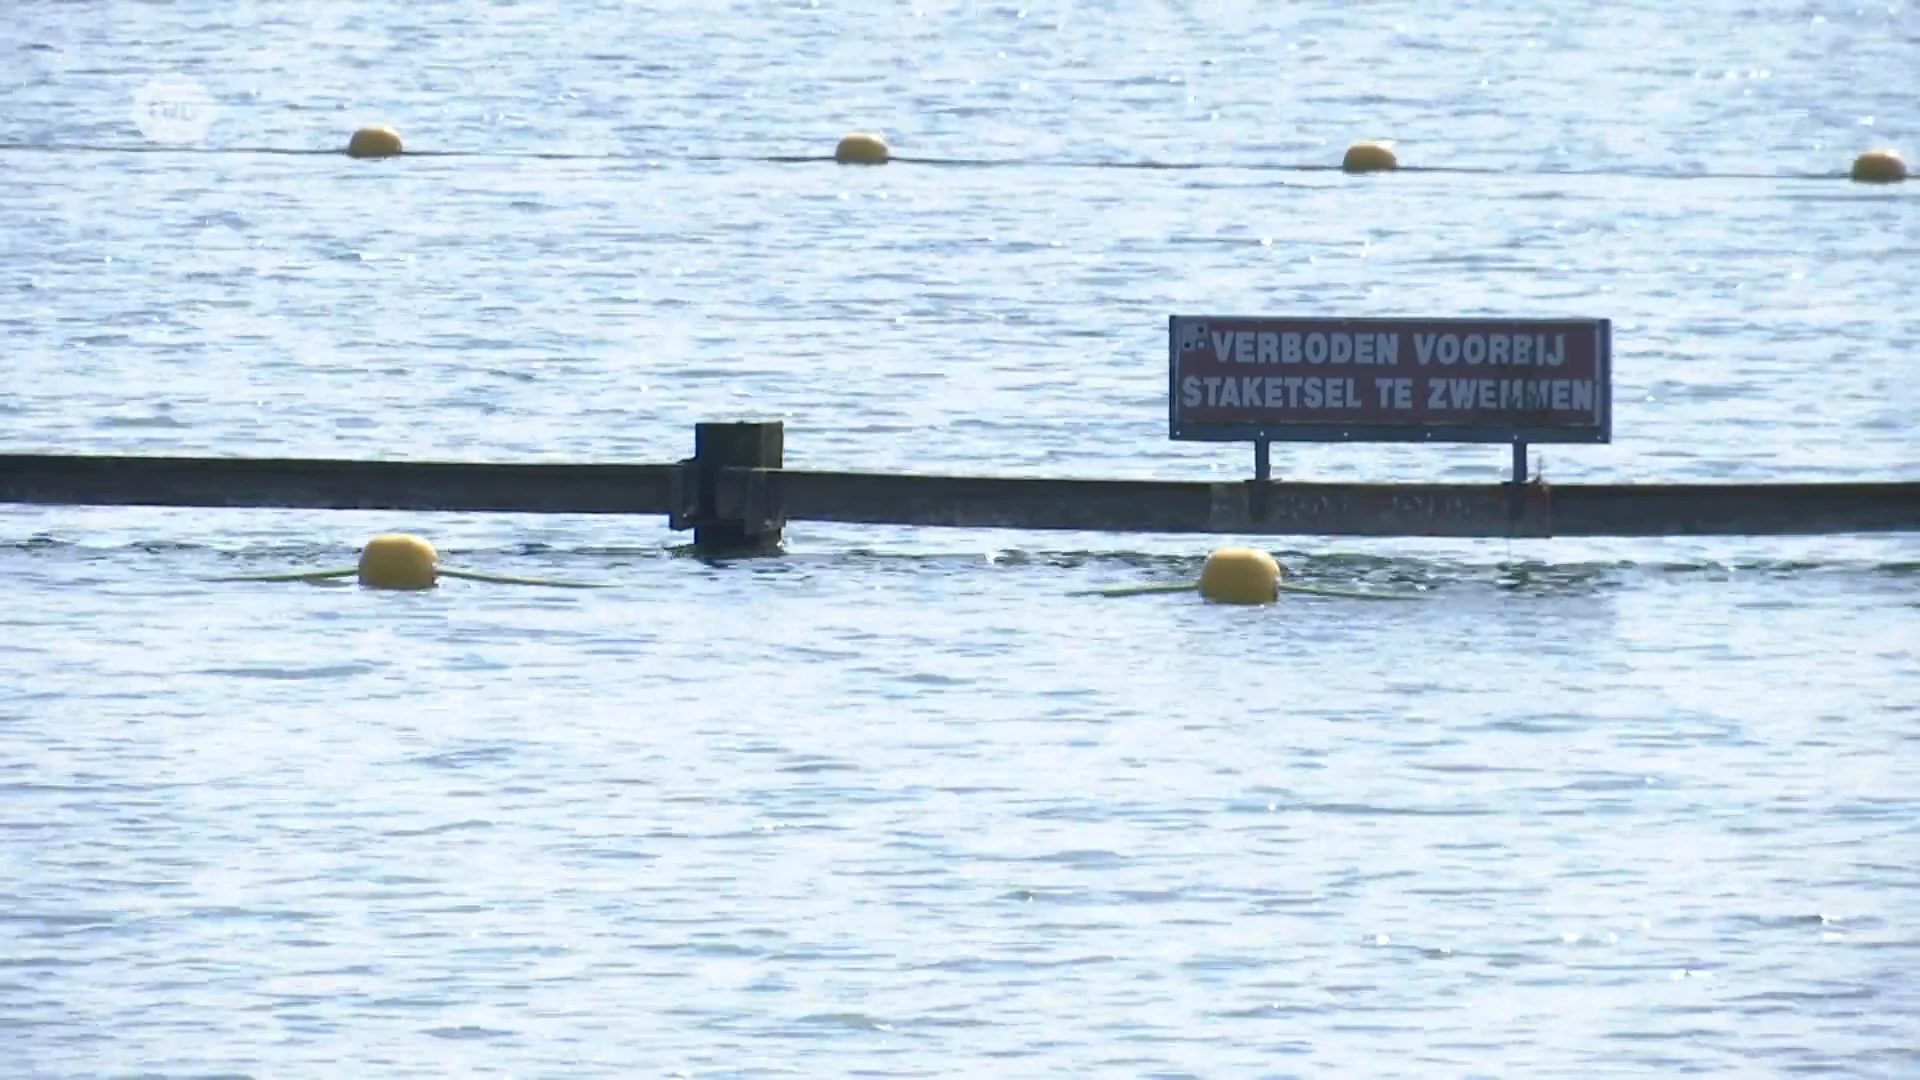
[736,497]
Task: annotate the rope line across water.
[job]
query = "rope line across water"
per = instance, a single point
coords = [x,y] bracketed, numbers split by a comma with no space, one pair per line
[903,159]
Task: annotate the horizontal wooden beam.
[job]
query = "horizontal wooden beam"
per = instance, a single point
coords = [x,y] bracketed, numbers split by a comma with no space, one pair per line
[1307,509]
[1787,509]
[1124,506]
[322,484]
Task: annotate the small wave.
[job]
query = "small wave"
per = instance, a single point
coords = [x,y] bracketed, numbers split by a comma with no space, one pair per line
[460,759]
[468,1031]
[154,420]
[852,1021]
[446,827]
[286,674]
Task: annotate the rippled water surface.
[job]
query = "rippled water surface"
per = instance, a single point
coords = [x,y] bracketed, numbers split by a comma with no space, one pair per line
[896,804]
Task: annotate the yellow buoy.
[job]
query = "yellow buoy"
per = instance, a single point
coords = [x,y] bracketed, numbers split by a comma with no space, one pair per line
[379,141]
[861,148]
[398,561]
[1240,576]
[1879,167]
[1369,157]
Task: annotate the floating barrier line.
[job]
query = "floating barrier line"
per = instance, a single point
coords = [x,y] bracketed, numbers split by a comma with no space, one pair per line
[1306,590]
[938,162]
[316,576]
[1137,590]
[1242,575]
[1344,594]
[504,579]
[1319,167]
[305,575]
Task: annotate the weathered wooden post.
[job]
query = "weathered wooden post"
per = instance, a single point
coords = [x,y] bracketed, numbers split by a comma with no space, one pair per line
[732,513]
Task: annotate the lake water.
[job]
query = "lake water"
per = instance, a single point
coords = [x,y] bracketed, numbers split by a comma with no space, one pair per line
[896,804]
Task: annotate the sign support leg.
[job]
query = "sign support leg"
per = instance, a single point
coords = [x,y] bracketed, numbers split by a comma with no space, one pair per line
[1517,492]
[1262,473]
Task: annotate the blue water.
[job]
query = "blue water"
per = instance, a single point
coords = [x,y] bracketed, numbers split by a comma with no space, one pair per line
[896,804]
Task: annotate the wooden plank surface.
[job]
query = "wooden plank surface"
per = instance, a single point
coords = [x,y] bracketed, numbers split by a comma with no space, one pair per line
[1154,506]
[334,484]
[1298,509]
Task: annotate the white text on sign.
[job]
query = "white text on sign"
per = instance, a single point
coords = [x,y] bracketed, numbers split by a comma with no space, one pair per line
[1291,347]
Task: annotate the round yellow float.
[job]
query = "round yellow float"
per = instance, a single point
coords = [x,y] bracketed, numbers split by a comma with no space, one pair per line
[1240,576]
[378,141]
[399,561]
[404,561]
[1879,167]
[862,148]
[1369,157]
